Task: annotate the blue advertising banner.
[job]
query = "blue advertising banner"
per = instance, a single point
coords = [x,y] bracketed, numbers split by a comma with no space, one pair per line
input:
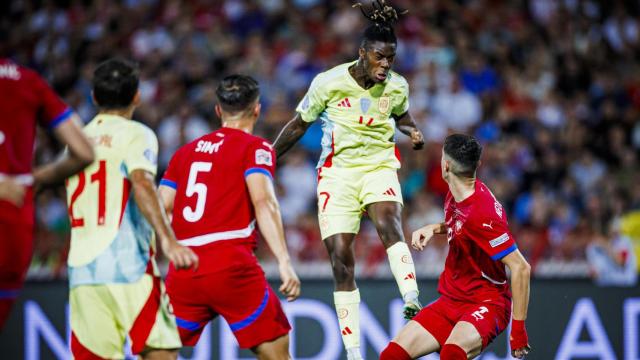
[567,320]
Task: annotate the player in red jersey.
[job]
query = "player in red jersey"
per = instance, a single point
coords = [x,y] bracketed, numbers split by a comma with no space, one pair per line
[216,188]
[475,305]
[27,100]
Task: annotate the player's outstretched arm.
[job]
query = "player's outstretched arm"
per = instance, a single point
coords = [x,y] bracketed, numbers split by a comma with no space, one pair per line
[421,237]
[79,154]
[520,279]
[148,200]
[407,126]
[290,134]
[269,220]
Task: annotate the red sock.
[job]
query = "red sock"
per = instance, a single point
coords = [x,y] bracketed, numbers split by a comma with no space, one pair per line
[394,351]
[452,352]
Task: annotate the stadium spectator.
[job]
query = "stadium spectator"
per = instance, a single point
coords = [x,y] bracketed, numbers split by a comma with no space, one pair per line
[557,83]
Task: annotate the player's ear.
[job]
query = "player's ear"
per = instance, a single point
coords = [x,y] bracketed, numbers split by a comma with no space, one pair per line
[362,52]
[256,109]
[136,98]
[218,111]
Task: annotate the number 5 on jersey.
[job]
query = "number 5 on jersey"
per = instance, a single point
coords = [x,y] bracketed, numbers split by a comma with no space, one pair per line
[198,189]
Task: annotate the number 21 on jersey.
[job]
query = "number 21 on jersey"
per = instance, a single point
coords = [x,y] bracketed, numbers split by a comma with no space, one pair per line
[197,189]
[100,176]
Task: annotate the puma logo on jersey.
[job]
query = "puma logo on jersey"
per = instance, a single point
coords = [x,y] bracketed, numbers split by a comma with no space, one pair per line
[208,146]
[489,225]
[345,103]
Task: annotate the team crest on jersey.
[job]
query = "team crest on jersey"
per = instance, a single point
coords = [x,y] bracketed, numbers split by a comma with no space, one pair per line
[365,103]
[384,104]
[458,226]
[263,157]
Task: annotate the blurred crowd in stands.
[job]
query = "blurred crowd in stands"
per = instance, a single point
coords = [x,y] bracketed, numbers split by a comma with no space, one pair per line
[550,87]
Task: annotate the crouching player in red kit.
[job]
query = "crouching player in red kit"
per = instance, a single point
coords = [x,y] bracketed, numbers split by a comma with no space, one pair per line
[475,305]
[216,188]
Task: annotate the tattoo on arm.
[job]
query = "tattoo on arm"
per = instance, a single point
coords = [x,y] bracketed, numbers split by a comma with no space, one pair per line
[290,134]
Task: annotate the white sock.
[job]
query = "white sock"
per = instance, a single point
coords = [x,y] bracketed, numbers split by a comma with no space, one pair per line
[348,310]
[403,270]
[354,353]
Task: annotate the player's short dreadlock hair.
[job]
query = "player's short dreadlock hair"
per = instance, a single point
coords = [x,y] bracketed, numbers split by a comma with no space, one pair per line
[383,17]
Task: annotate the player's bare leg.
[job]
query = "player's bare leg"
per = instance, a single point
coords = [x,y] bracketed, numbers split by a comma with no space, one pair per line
[464,338]
[386,216]
[277,349]
[414,340]
[159,354]
[346,296]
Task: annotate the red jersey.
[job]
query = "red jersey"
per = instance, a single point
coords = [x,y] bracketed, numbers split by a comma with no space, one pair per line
[25,99]
[479,237]
[212,211]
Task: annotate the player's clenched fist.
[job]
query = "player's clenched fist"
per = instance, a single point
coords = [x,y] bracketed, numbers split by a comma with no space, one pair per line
[421,237]
[181,256]
[417,140]
[290,283]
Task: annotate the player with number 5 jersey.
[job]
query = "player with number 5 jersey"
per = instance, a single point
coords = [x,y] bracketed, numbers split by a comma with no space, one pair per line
[114,209]
[218,188]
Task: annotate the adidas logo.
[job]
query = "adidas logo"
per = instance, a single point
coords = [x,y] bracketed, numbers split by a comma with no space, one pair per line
[410,276]
[390,192]
[345,103]
[346,331]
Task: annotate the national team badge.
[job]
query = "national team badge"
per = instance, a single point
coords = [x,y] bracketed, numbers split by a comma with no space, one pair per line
[364,105]
[384,104]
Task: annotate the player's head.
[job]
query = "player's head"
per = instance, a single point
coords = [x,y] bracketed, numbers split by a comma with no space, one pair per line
[378,47]
[460,156]
[238,98]
[115,84]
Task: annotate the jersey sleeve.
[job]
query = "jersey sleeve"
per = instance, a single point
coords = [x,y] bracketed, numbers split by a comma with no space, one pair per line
[52,109]
[492,235]
[170,177]
[401,103]
[260,158]
[142,152]
[314,102]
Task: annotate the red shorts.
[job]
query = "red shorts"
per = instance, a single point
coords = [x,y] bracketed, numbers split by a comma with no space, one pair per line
[241,295]
[16,247]
[439,318]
